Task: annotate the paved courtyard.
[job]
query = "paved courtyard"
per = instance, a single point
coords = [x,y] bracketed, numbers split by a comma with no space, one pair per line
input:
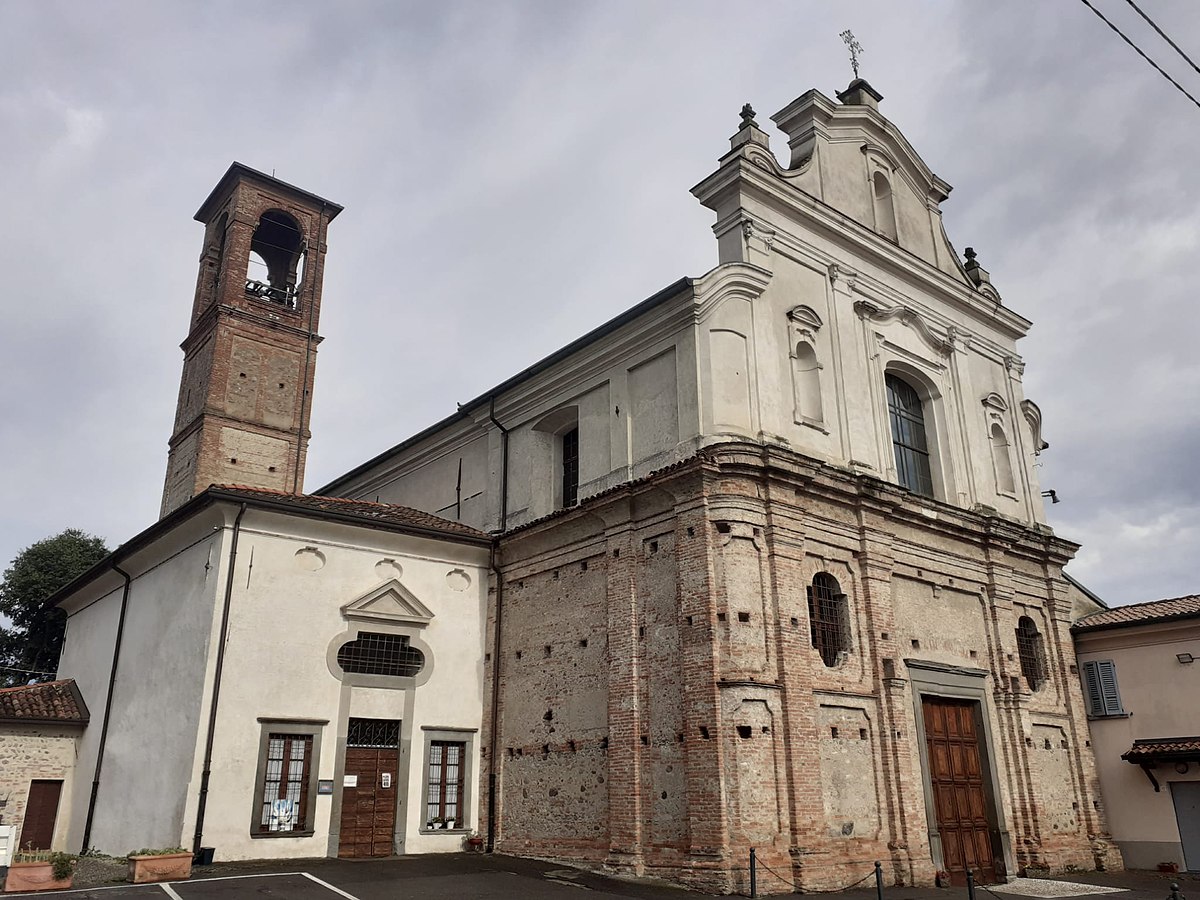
[469,876]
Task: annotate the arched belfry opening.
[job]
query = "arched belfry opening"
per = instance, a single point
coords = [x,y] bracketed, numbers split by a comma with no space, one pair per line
[246,395]
[276,254]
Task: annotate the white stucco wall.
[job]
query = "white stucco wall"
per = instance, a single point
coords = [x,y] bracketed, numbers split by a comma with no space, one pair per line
[156,708]
[1159,694]
[285,616]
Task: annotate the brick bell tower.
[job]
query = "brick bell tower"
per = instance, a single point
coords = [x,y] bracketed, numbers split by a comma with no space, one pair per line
[246,393]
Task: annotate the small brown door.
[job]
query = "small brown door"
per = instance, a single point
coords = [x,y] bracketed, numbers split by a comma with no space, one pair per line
[37,830]
[959,793]
[369,805]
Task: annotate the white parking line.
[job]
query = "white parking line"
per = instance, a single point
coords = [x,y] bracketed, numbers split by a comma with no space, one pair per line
[328,886]
[169,891]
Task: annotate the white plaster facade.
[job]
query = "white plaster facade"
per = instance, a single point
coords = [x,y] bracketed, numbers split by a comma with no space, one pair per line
[787,341]
[1157,674]
[300,587]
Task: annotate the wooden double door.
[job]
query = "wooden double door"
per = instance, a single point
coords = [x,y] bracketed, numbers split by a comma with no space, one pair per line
[965,815]
[368,822]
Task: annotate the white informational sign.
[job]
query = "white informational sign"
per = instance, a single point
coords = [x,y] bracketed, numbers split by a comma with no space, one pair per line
[387,779]
[349,781]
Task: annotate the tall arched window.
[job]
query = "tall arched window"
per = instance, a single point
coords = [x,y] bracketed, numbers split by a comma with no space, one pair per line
[909,440]
[828,618]
[885,210]
[1032,651]
[1002,461]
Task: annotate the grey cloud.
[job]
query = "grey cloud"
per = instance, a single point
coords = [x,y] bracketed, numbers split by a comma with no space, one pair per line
[514,174]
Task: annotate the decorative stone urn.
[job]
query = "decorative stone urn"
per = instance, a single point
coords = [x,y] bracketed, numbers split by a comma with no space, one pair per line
[166,867]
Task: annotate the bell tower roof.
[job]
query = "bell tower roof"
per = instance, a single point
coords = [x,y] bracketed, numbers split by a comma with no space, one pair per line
[241,173]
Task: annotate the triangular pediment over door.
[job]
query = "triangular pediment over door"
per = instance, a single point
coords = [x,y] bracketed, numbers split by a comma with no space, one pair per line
[389,602]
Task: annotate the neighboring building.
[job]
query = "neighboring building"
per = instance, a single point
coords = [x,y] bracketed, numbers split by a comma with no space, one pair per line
[774,568]
[1141,673]
[40,726]
[767,559]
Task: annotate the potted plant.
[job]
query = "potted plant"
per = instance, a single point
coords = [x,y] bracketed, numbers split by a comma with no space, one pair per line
[166,864]
[40,870]
[439,822]
[450,824]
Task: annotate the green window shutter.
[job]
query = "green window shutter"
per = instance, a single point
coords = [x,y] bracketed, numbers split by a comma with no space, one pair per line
[1100,688]
[1106,670]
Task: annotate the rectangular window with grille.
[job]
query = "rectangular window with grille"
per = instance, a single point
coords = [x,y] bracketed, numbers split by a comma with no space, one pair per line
[570,467]
[444,782]
[1100,690]
[285,783]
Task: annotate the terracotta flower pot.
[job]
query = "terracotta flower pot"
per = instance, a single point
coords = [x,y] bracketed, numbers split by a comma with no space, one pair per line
[34,876]
[170,867]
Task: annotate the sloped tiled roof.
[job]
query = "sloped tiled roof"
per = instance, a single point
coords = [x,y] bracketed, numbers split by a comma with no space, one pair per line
[384,513]
[1150,749]
[1141,614]
[54,701]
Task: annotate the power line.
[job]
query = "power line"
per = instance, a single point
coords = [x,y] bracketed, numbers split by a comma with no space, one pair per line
[1162,34]
[24,671]
[1140,52]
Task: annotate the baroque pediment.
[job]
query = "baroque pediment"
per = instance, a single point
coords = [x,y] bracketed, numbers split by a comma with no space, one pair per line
[389,602]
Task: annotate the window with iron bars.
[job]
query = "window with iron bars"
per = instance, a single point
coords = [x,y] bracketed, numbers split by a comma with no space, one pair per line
[285,788]
[828,618]
[383,734]
[444,794]
[570,468]
[373,653]
[1032,652]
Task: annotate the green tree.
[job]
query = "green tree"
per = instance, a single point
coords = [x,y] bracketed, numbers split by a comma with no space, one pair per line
[30,645]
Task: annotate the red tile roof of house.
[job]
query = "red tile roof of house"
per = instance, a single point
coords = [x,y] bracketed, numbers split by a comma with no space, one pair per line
[53,701]
[1150,749]
[384,513]
[1141,614]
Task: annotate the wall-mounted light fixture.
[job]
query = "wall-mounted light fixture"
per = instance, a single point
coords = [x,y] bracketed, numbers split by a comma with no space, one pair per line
[1185,658]
[1053,495]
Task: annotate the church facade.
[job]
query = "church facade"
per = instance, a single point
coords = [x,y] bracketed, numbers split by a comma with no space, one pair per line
[760,563]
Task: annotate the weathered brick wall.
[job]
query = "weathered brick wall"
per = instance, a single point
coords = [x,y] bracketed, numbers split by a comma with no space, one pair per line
[29,752]
[707,724]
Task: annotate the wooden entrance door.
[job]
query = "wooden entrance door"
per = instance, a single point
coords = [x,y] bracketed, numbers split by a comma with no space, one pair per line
[959,794]
[369,805]
[41,810]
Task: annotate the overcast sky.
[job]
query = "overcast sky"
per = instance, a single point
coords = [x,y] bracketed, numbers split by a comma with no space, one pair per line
[516,173]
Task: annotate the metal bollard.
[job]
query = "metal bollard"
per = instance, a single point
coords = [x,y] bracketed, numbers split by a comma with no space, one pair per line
[878,880]
[970,885]
[1175,895]
[753,874]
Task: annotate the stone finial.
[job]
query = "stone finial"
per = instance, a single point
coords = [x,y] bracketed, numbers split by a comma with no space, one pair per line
[749,132]
[977,273]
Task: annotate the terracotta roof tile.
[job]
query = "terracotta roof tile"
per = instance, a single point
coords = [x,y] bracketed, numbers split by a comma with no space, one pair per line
[1141,613]
[385,513]
[1149,749]
[53,701]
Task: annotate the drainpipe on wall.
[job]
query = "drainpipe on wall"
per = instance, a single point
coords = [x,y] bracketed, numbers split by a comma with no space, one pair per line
[495,569]
[112,681]
[216,691]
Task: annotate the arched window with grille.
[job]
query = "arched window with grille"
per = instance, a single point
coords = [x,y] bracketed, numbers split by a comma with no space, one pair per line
[1032,651]
[373,653]
[828,619]
[910,441]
